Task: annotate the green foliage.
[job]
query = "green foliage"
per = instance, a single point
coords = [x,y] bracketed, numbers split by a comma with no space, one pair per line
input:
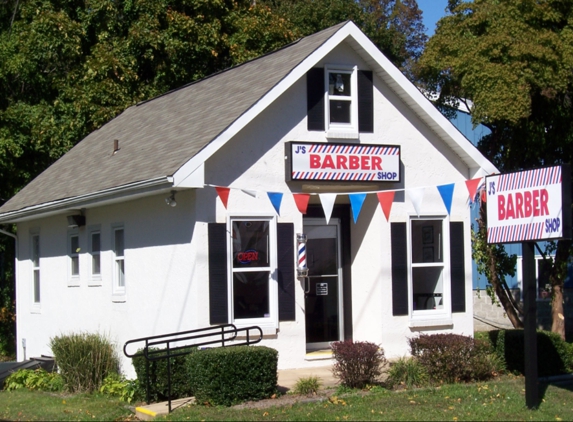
[394,26]
[357,364]
[37,379]
[158,373]
[117,386]
[451,358]
[230,375]
[84,360]
[554,355]
[307,386]
[407,372]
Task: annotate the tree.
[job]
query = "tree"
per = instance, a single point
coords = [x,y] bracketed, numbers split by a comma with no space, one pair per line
[395,26]
[513,61]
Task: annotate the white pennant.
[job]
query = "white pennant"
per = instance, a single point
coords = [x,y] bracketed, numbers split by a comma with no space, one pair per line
[327,201]
[252,193]
[416,196]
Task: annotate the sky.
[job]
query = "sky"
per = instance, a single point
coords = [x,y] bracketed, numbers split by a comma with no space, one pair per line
[432,11]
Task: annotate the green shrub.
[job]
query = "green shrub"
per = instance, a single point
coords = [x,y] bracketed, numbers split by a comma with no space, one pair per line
[307,386]
[84,360]
[37,379]
[357,364]
[229,375]
[554,356]
[158,382]
[407,372]
[451,358]
[117,386]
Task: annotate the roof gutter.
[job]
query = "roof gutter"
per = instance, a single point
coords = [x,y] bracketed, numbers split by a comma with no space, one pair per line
[138,188]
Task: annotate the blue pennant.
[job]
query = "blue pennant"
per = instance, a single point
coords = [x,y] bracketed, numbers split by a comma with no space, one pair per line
[356,201]
[276,198]
[447,193]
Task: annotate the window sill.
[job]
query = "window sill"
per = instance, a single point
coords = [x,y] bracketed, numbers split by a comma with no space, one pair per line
[95,282]
[342,134]
[74,282]
[420,323]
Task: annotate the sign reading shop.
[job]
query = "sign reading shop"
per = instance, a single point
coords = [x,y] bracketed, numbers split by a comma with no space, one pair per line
[342,162]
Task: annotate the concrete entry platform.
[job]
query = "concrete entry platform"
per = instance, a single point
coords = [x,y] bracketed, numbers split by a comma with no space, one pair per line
[287,379]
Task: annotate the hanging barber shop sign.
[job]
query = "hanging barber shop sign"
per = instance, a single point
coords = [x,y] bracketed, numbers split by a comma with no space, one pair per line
[529,205]
[342,162]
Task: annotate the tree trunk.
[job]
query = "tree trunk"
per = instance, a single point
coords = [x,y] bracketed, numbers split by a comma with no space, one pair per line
[557,276]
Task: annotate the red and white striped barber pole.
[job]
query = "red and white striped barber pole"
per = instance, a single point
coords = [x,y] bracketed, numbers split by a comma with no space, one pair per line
[302,269]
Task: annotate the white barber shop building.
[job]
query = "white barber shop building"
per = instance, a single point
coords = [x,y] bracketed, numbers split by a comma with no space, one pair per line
[323,138]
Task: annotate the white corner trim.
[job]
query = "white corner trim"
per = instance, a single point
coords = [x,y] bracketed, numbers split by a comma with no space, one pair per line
[194,179]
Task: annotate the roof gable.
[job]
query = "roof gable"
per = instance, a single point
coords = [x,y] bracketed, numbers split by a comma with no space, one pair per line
[163,142]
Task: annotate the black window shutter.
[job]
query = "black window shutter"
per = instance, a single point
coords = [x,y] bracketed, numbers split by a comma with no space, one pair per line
[365,102]
[286,276]
[315,99]
[457,267]
[218,290]
[399,268]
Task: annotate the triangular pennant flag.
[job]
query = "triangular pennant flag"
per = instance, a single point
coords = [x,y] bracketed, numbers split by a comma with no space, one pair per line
[276,198]
[301,200]
[416,196]
[356,201]
[252,193]
[386,199]
[327,201]
[447,193]
[223,194]
[472,186]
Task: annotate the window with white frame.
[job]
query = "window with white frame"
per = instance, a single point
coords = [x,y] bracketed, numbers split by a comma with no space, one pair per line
[35,255]
[429,284]
[95,252]
[74,257]
[341,104]
[118,260]
[253,266]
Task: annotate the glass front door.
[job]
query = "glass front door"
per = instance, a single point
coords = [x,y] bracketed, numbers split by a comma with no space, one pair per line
[323,285]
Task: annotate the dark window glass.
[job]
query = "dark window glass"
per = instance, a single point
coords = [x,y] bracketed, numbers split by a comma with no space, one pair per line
[250,244]
[251,294]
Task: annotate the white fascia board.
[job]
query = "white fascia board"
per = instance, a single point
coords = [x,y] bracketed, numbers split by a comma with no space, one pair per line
[424,108]
[298,72]
[115,194]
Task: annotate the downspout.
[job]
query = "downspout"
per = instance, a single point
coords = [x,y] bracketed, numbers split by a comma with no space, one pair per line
[15,272]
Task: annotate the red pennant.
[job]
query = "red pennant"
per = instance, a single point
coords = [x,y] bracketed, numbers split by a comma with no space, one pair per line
[472,186]
[386,199]
[223,194]
[301,200]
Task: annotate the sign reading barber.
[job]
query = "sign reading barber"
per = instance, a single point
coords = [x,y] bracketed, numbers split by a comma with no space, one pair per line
[342,162]
[529,205]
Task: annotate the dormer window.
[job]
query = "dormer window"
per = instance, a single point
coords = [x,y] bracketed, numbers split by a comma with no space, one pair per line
[340,101]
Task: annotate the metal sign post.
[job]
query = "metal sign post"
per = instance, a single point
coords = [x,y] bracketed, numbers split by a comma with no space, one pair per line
[529,325]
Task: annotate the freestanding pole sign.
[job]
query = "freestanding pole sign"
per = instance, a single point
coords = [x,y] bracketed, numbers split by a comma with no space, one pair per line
[529,206]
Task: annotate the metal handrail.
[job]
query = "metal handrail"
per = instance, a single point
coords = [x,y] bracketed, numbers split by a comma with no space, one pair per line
[227,332]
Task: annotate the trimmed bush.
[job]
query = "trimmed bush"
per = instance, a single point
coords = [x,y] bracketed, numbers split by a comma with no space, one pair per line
[554,356]
[450,358]
[158,385]
[407,372]
[230,375]
[357,364]
[84,360]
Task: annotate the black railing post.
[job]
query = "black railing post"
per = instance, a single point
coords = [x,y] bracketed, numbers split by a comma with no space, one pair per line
[169,376]
[147,369]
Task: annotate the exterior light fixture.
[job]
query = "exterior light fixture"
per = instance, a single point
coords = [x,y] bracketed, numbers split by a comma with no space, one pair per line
[170,200]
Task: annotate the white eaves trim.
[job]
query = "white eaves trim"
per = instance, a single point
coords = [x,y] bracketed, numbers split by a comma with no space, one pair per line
[476,162]
[107,196]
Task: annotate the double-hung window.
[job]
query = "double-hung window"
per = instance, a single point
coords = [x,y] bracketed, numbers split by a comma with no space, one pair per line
[429,284]
[35,255]
[74,258]
[118,260]
[253,297]
[94,240]
[342,104]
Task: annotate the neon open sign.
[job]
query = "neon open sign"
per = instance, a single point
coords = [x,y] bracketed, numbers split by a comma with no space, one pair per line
[529,205]
[248,256]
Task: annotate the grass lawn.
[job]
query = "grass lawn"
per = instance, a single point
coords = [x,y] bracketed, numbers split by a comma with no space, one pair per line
[499,400]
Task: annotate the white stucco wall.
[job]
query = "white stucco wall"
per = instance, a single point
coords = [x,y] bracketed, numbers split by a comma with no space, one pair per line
[166,260]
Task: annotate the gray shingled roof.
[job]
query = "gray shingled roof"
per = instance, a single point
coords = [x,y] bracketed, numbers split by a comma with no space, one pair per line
[158,136]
